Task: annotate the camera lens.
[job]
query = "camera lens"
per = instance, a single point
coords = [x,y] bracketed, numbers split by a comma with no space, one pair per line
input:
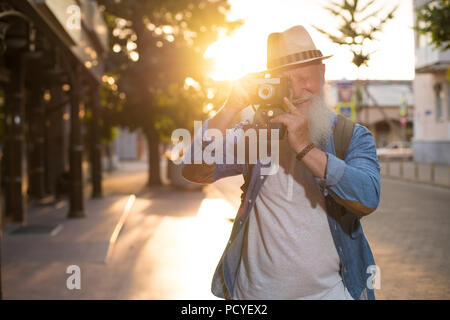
[265,91]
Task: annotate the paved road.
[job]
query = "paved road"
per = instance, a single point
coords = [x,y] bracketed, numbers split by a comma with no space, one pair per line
[410,238]
[172,240]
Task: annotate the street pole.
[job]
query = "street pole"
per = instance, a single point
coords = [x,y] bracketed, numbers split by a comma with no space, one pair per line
[403,121]
[96,147]
[1,228]
[56,156]
[76,147]
[36,142]
[15,197]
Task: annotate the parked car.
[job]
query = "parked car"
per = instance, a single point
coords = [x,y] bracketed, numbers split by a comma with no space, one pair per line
[398,150]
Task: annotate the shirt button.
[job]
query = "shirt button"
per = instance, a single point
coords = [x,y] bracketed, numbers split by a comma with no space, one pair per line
[261,177]
[229,242]
[249,200]
[325,192]
[345,269]
[340,249]
[335,227]
[240,221]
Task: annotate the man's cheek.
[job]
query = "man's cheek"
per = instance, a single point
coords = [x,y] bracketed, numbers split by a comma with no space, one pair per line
[304,108]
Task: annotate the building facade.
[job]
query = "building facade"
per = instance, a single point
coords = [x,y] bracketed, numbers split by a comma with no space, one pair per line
[381,103]
[52,55]
[431,142]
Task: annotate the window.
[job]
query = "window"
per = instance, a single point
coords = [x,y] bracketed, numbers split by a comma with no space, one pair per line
[439,94]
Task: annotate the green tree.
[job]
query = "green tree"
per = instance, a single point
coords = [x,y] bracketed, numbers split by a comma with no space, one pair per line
[155,46]
[434,20]
[359,25]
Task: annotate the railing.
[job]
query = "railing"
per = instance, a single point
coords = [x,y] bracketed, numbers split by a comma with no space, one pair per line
[429,56]
[429,173]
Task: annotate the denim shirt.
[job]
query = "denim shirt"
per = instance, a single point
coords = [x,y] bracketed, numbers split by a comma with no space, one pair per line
[355,179]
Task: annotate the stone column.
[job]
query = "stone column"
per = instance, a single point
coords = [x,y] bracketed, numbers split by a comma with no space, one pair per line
[15,194]
[36,145]
[76,148]
[96,146]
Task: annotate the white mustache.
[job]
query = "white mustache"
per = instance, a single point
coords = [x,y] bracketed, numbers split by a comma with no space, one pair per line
[305,97]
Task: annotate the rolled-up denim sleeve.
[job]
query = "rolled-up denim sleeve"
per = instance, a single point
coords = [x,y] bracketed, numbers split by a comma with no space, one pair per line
[355,181]
[208,172]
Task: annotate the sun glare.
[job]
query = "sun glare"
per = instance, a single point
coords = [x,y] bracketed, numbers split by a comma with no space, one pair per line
[236,56]
[245,50]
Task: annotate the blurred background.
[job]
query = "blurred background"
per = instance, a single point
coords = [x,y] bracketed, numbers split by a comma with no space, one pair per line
[90,92]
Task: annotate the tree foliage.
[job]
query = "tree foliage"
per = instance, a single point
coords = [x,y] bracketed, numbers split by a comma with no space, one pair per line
[359,23]
[435,20]
[156,45]
[169,38]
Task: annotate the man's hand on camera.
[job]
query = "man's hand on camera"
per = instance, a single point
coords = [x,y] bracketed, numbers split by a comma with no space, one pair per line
[297,127]
[239,97]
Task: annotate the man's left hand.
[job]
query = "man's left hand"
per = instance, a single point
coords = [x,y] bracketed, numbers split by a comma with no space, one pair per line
[297,127]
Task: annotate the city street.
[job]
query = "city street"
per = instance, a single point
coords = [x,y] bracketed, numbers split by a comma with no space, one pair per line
[172,239]
[409,235]
[97,95]
[167,249]
[410,238]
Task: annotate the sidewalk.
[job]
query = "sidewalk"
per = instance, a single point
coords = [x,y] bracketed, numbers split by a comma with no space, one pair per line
[160,253]
[437,175]
[171,241]
[34,265]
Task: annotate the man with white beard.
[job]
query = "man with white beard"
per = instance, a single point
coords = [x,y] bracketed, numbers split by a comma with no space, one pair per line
[297,233]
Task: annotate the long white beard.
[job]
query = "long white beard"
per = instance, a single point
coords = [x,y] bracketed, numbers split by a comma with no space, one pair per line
[320,118]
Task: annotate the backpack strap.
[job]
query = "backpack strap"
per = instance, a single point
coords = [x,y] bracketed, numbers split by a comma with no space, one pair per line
[343,132]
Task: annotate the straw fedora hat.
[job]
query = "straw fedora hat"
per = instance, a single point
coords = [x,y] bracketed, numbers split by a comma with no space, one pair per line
[291,47]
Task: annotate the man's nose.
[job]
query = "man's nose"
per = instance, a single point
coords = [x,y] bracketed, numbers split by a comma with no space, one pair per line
[298,87]
[299,92]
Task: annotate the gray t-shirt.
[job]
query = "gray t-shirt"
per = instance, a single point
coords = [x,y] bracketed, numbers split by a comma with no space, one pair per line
[288,250]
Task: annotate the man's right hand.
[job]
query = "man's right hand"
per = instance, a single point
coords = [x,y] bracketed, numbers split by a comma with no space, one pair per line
[241,92]
[238,99]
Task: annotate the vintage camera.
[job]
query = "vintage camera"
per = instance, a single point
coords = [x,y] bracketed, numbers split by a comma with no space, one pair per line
[268,101]
[270,91]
